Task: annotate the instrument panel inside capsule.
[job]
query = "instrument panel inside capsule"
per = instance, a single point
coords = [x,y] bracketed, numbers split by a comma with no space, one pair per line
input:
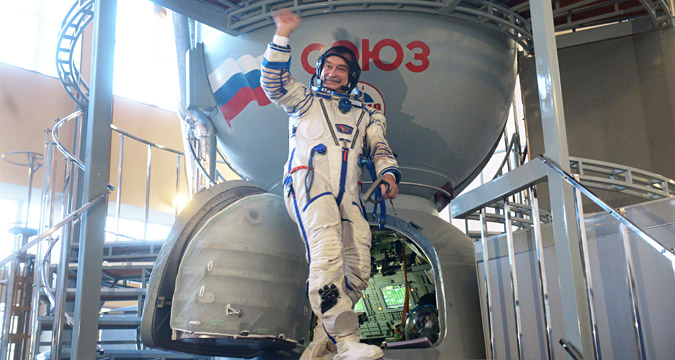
[384,300]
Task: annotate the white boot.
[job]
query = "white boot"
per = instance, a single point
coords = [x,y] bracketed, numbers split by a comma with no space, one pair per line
[345,331]
[350,347]
[321,348]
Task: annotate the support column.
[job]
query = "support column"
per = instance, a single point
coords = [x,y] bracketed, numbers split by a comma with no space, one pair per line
[97,162]
[565,227]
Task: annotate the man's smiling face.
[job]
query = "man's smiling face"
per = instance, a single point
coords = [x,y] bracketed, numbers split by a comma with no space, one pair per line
[335,73]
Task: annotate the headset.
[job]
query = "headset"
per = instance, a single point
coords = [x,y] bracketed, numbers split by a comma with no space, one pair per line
[349,57]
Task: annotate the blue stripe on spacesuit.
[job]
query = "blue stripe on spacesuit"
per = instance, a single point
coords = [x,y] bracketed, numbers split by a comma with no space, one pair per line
[271,83]
[276,64]
[302,227]
[314,198]
[373,122]
[343,175]
[394,171]
[290,161]
[274,73]
[349,286]
[274,84]
[355,103]
[323,95]
[291,192]
[363,210]
[279,48]
[381,150]
[303,106]
[329,337]
[306,108]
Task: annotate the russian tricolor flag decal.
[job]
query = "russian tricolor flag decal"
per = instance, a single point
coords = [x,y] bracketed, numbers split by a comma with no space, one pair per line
[235,83]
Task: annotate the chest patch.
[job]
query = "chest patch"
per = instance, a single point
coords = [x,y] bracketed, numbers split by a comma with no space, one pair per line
[344,129]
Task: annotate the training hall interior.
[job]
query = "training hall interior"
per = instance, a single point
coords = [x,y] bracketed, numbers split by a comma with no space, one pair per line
[142,206]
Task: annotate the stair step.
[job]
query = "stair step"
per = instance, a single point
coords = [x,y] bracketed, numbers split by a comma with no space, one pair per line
[127,250]
[105,322]
[123,270]
[115,293]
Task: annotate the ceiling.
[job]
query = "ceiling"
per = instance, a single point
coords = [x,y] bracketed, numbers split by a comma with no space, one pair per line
[511,16]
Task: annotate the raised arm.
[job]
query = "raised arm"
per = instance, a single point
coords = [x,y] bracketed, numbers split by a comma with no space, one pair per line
[277,82]
[286,22]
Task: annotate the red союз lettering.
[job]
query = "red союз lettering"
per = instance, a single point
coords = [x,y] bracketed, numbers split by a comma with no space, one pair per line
[419,49]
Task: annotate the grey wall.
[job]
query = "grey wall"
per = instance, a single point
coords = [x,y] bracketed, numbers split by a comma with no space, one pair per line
[619,102]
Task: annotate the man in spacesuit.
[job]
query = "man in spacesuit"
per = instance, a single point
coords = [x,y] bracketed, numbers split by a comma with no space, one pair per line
[330,133]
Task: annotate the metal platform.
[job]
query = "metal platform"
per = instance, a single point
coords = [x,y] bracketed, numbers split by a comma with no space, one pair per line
[129,355]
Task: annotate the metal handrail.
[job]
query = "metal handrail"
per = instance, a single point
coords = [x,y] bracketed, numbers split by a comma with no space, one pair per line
[515,140]
[551,169]
[658,246]
[55,137]
[229,165]
[496,217]
[49,290]
[624,179]
[146,142]
[199,164]
[54,228]
[640,183]
[76,160]
[408,183]
[80,164]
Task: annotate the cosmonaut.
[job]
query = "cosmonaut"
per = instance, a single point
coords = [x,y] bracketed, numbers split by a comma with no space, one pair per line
[329,131]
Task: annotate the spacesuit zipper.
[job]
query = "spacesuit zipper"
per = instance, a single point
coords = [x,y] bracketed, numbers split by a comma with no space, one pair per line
[356,134]
[330,125]
[343,175]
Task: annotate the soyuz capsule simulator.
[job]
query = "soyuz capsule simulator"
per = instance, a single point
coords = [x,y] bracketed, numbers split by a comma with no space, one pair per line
[230,280]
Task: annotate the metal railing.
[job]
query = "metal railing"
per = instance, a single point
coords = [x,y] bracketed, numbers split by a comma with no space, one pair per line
[76,20]
[65,229]
[47,229]
[72,27]
[150,146]
[623,179]
[625,224]
[569,16]
[592,173]
[658,246]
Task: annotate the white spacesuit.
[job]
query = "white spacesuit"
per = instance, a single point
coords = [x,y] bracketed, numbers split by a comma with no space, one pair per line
[328,132]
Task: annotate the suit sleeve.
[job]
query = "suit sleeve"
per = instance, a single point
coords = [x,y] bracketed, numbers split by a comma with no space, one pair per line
[380,152]
[280,86]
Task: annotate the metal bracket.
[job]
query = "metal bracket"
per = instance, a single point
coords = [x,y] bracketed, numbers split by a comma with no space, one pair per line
[231,311]
[571,350]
